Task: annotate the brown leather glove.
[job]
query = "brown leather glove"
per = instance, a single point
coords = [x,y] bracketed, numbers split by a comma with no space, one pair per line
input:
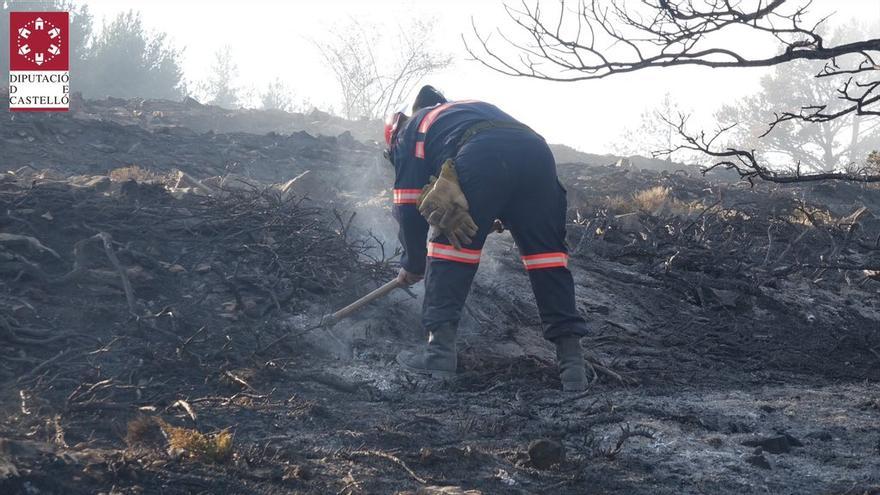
[445,207]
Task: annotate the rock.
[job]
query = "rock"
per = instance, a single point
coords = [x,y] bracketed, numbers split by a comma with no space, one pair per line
[780,444]
[545,453]
[759,461]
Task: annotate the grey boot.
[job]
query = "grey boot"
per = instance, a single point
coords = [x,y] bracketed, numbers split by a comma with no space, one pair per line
[572,367]
[438,357]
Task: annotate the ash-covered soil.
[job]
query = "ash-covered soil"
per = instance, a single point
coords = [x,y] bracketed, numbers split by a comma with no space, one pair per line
[160,287]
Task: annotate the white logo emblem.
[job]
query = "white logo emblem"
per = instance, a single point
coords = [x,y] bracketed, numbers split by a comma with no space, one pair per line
[53,33]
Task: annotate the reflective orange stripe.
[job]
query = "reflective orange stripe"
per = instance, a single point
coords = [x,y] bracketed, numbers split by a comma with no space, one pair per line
[429,119]
[447,252]
[431,116]
[545,260]
[406,196]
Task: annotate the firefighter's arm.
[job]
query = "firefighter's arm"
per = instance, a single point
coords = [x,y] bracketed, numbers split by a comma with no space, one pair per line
[413,237]
[410,177]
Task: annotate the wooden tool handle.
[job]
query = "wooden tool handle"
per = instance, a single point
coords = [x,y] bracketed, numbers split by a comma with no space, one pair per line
[372,296]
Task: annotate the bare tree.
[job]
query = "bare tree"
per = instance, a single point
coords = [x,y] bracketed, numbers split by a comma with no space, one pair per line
[220,87]
[653,132]
[277,96]
[818,147]
[873,162]
[594,39]
[371,85]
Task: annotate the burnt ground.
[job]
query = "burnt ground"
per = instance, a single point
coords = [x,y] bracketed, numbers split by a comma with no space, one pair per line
[735,344]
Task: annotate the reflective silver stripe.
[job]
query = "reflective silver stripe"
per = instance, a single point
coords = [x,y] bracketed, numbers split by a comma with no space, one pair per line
[447,252]
[545,260]
[406,196]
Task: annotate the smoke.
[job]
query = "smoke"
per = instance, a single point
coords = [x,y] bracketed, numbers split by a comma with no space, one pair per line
[370,189]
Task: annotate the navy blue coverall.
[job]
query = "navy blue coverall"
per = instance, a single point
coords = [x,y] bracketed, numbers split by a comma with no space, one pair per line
[506,172]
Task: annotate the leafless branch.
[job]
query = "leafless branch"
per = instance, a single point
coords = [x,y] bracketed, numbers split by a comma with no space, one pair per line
[594,39]
[610,37]
[371,86]
[746,164]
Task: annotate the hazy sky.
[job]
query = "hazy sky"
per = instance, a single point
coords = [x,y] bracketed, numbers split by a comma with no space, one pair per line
[273,39]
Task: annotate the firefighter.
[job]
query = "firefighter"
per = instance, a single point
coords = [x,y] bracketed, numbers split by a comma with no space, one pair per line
[459,168]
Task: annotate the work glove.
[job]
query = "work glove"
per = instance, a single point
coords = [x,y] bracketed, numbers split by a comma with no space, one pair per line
[445,207]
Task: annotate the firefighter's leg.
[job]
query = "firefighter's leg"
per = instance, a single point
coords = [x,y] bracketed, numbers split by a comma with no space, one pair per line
[450,271]
[537,222]
[447,283]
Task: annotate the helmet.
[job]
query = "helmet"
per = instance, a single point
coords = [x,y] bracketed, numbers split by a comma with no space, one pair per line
[392,124]
[428,97]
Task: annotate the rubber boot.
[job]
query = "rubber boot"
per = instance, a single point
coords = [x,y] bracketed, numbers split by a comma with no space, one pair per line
[572,367]
[438,358]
